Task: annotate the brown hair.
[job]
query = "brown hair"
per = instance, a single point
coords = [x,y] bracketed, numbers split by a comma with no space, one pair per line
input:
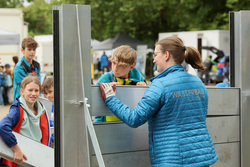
[29,42]
[15,59]
[124,55]
[48,83]
[176,48]
[28,79]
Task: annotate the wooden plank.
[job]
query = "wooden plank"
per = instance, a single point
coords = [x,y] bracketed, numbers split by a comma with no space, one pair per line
[38,154]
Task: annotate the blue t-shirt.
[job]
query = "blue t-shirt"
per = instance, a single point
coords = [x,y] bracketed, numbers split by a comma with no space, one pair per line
[104,60]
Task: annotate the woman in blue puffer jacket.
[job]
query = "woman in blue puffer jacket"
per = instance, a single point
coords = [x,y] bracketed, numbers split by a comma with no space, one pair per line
[175,106]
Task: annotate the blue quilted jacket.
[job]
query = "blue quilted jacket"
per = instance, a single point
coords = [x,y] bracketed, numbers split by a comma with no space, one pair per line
[175,106]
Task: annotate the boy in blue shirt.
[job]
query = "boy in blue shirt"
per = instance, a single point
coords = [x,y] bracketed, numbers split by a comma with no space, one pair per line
[26,65]
[123,73]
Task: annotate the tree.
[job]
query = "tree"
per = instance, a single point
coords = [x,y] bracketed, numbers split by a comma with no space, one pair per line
[39,17]
[143,19]
[11,3]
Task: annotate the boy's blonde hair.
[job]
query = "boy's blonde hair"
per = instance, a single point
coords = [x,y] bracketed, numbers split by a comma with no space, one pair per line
[48,83]
[28,79]
[29,42]
[124,55]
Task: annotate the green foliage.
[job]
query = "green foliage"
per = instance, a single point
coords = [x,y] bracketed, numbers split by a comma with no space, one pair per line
[39,17]
[10,3]
[142,19]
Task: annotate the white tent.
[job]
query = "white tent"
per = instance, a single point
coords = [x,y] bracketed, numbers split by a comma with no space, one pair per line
[9,38]
[118,40]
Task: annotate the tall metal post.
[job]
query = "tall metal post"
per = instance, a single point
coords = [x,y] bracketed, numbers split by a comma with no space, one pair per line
[72,36]
[240,53]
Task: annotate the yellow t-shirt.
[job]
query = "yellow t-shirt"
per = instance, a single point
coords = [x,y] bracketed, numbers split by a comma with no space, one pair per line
[123,82]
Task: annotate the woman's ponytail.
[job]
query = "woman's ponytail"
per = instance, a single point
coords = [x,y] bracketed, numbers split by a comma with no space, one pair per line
[192,57]
[174,45]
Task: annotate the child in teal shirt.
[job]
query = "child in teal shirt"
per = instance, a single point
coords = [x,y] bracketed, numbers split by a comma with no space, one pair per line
[123,73]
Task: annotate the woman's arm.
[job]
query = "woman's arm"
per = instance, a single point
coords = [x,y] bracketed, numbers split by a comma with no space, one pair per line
[145,109]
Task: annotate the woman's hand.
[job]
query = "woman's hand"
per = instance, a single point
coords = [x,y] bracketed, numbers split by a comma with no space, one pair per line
[107,90]
[141,84]
[18,154]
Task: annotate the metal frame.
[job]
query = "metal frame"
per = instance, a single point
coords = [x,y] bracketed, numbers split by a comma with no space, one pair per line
[57,82]
[241,42]
[72,27]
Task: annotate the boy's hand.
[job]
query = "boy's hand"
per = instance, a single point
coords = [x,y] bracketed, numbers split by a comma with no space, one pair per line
[141,84]
[107,90]
[115,83]
[18,154]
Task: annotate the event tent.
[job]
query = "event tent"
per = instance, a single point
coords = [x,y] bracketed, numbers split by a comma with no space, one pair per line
[118,40]
[9,38]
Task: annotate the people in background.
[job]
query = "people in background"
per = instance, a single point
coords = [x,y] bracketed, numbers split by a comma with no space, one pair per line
[109,63]
[208,65]
[99,67]
[2,84]
[225,83]
[8,84]
[15,59]
[104,62]
[226,70]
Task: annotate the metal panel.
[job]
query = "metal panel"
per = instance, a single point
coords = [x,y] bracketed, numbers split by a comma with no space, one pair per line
[242,61]
[74,143]
[119,137]
[40,156]
[237,46]
[135,94]
[228,154]
[131,159]
[224,129]
[47,104]
[222,101]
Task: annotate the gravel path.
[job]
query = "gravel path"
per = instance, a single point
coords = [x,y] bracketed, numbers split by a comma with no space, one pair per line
[4,110]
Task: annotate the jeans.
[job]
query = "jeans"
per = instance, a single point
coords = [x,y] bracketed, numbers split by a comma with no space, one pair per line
[1,96]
